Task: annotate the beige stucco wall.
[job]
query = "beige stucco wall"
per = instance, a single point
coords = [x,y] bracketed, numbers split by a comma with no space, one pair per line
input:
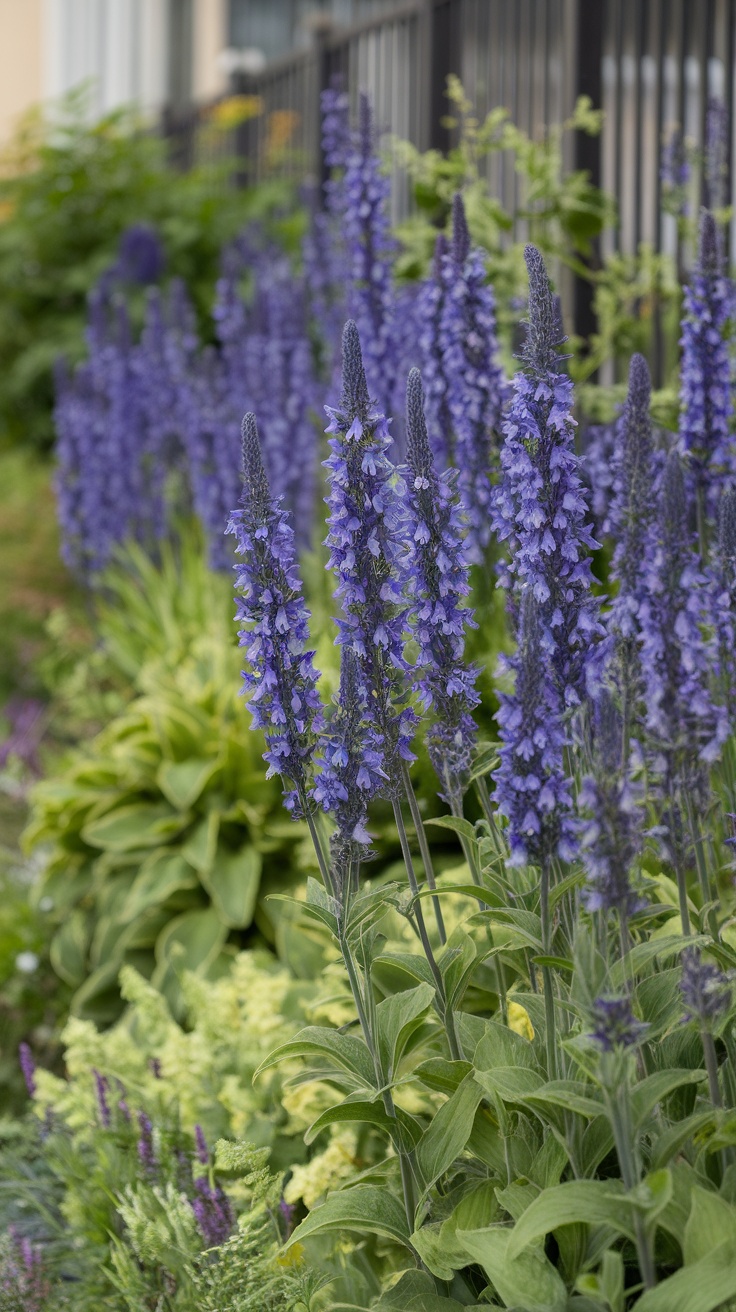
[210,38]
[21,61]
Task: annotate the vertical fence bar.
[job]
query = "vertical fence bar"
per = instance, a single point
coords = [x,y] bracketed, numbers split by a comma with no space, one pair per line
[588,80]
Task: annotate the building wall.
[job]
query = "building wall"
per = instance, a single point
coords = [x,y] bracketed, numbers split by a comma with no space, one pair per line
[21,60]
[119,47]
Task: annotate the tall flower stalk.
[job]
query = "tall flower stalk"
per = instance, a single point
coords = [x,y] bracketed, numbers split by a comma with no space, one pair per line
[705,388]
[364,539]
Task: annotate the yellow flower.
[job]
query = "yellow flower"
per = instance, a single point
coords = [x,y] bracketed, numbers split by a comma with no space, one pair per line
[229,113]
[325,1171]
[519,1021]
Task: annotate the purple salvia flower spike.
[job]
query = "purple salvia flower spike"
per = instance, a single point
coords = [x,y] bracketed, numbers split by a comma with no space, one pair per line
[351,771]
[437,581]
[280,679]
[531,787]
[146,1154]
[203,1154]
[705,377]
[28,1067]
[616,1024]
[722,603]
[611,836]
[101,1092]
[213,1212]
[365,554]
[706,990]
[540,508]
[676,659]
[474,390]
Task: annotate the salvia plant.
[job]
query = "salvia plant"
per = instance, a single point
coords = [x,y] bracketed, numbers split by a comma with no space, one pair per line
[524,1072]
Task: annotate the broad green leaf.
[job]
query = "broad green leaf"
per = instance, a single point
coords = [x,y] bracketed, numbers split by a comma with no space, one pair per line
[571,1095]
[654,1088]
[448,1132]
[668,1144]
[403,1129]
[436,1244]
[183,782]
[511,1083]
[396,1018]
[597,1202]
[712,1220]
[528,1281]
[195,938]
[68,951]
[233,883]
[365,1209]
[702,1287]
[442,1075]
[456,824]
[501,1046]
[139,825]
[161,874]
[409,963]
[415,1292]
[344,1050]
[199,849]
[516,1198]
[321,905]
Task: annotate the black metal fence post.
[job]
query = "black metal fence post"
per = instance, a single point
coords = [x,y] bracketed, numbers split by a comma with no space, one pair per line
[591,15]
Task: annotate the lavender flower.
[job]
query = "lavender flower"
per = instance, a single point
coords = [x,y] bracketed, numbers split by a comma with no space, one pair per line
[611,837]
[705,387]
[364,541]
[531,787]
[23,1277]
[437,576]
[598,443]
[203,1154]
[103,1106]
[675,657]
[351,771]
[675,172]
[616,1024]
[721,578]
[371,250]
[28,1067]
[335,106]
[146,1154]
[281,676]
[475,385]
[213,1211]
[706,991]
[140,255]
[540,507]
[429,313]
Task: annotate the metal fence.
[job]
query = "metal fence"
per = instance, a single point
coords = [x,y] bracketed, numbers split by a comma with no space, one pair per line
[650,64]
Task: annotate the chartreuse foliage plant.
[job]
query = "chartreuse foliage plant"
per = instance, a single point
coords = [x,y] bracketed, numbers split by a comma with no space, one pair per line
[141,1180]
[159,837]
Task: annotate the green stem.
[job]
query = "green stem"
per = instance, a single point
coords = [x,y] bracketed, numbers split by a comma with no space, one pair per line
[549,1000]
[618,1112]
[441,997]
[421,834]
[470,857]
[711,1066]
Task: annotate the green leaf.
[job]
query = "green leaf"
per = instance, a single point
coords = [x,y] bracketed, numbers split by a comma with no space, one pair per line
[403,1129]
[195,938]
[409,963]
[128,828]
[596,1202]
[448,1132]
[415,1292]
[711,1221]
[456,824]
[442,1075]
[365,1209]
[345,1051]
[319,904]
[183,782]
[654,1088]
[571,1095]
[68,951]
[702,1287]
[397,1018]
[511,1083]
[233,884]
[200,848]
[161,874]
[501,1046]
[528,1281]
[437,1245]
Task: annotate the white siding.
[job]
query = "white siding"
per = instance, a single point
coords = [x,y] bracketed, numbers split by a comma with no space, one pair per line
[119,46]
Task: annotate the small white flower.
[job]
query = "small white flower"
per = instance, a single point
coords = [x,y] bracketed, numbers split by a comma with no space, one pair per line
[27,962]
